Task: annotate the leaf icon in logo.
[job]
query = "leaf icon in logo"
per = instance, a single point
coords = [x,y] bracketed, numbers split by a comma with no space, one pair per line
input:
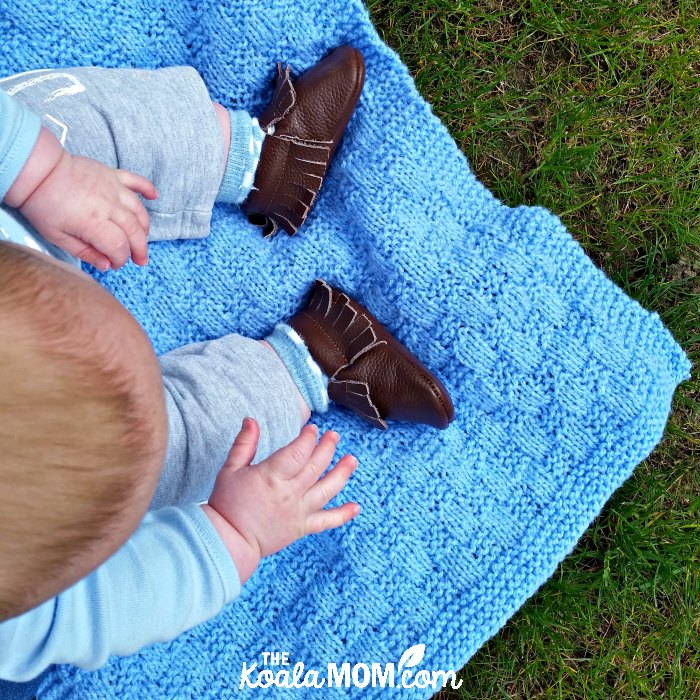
[412,656]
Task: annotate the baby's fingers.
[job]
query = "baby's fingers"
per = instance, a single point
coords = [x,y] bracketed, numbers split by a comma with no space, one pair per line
[325,490]
[85,252]
[110,240]
[131,200]
[138,183]
[319,460]
[244,446]
[331,518]
[136,236]
[288,461]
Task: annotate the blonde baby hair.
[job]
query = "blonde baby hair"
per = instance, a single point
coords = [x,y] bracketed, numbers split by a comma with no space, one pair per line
[74,432]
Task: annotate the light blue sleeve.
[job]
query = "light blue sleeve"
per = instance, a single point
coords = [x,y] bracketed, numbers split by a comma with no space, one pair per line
[19,130]
[172,574]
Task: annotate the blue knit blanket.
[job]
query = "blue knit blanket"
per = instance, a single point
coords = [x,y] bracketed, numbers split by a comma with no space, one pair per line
[562,384]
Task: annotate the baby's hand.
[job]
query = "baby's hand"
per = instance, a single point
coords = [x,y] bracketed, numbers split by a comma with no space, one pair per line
[261,509]
[92,211]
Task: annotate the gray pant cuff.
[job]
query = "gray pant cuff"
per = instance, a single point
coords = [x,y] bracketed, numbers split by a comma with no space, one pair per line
[158,123]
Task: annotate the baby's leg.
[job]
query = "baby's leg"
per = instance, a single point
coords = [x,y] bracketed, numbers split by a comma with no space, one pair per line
[158,123]
[333,348]
[209,388]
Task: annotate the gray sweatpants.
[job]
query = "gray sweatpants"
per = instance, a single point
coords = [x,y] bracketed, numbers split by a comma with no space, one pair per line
[162,125]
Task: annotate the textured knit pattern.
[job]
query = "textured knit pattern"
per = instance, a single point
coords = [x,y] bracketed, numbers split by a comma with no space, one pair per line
[562,384]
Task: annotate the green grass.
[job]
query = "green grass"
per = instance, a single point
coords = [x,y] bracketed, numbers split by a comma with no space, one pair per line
[591,108]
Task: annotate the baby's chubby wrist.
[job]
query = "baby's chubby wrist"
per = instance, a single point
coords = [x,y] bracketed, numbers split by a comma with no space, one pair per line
[45,156]
[245,556]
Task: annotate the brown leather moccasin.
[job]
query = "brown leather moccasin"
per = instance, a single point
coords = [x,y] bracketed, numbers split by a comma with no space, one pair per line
[304,123]
[369,371]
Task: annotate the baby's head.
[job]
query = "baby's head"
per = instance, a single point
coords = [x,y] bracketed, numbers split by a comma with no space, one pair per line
[82,427]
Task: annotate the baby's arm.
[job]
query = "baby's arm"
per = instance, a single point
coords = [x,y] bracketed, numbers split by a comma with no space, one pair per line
[176,571]
[172,574]
[88,209]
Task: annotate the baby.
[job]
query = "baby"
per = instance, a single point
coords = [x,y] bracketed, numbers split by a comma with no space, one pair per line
[96,430]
